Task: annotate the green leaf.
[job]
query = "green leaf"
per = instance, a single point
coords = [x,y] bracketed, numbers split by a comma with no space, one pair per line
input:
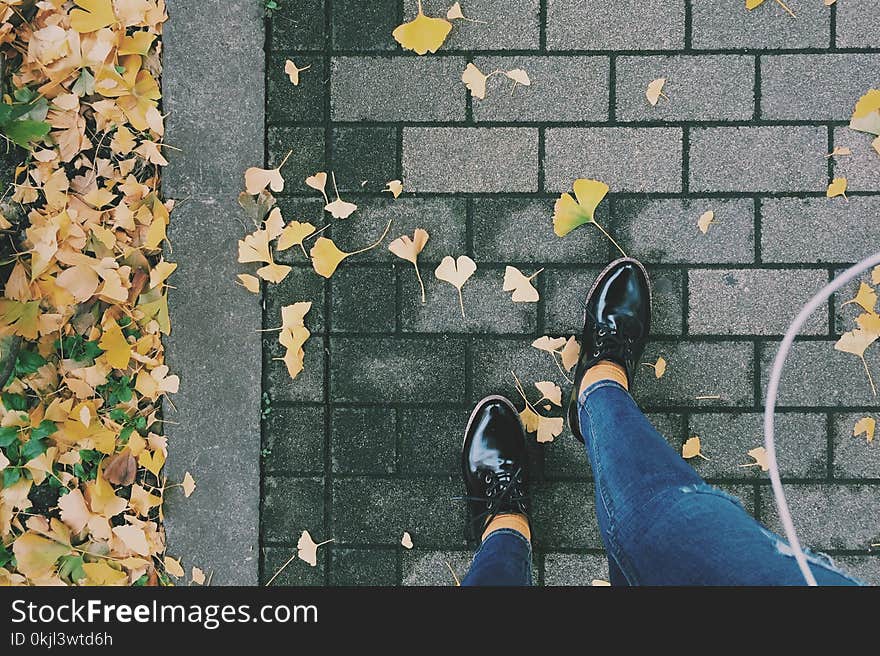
[28,362]
[45,429]
[14,402]
[24,131]
[5,555]
[71,568]
[33,448]
[8,435]
[11,476]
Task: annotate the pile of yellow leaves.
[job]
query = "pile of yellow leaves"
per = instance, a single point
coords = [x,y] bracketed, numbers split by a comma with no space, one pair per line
[80,444]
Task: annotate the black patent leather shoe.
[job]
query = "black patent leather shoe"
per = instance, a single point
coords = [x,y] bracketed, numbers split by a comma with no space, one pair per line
[494,463]
[617,322]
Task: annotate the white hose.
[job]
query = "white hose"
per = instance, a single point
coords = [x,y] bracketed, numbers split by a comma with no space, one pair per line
[770,406]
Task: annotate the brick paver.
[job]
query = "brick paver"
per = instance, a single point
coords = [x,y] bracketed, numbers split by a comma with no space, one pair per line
[364,444]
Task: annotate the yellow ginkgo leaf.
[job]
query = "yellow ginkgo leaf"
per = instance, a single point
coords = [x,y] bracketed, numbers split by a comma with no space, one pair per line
[256,179]
[876,145]
[530,419]
[706,219]
[550,391]
[549,428]
[406,540]
[94,15]
[475,81]
[521,285]
[655,91]
[251,283]
[422,34]
[519,76]
[326,256]
[659,367]
[840,151]
[836,188]
[394,187]
[753,4]
[549,344]
[570,353]
[856,342]
[117,350]
[293,235]
[456,272]
[318,181]
[760,456]
[866,298]
[307,549]
[866,116]
[274,272]
[293,71]
[409,249]
[254,247]
[172,566]
[865,426]
[692,449]
[339,208]
[188,485]
[568,214]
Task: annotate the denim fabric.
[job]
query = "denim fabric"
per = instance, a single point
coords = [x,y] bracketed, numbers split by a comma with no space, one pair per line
[660,522]
[504,558]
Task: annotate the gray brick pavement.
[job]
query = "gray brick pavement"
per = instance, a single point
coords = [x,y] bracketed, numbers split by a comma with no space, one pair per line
[364,443]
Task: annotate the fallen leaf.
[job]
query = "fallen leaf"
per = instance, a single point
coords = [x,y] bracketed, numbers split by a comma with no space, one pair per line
[254,248]
[409,249]
[326,256]
[866,298]
[251,283]
[274,272]
[134,538]
[855,342]
[836,188]
[198,576]
[294,335]
[188,485]
[875,275]
[706,219]
[550,391]
[519,76]
[117,350]
[172,566]
[840,151]
[318,181]
[568,214]
[753,4]
[256,179]
[549,344]
[655,91]
[456,273]
[394,187]
[659,367]
[549,428]
[866,115]
[599,583]
[475,81]
[422,34]
[121,468]
[339,208]
[691,449]
[307,550]
[760,456]
[94,15]
[293,235]
[865,426]
[520,285]
[293,71]
[530,419]
[406,540]
[454,11]
[570,353]
[876,145]
[36,555]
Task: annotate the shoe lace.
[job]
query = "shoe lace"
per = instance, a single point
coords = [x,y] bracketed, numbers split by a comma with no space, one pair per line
[504,493]
[610,338]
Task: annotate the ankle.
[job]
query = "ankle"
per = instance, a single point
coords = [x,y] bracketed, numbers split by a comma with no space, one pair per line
[514,521]
[604,370]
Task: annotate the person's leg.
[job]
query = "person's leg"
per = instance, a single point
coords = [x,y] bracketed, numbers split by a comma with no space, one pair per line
[495,471]
[505,555]
[660,522]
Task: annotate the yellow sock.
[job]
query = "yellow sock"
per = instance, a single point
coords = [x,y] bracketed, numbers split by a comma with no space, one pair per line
[514,521]
[604,370]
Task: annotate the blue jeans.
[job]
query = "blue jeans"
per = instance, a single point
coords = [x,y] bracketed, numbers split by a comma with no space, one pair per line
[660,522]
